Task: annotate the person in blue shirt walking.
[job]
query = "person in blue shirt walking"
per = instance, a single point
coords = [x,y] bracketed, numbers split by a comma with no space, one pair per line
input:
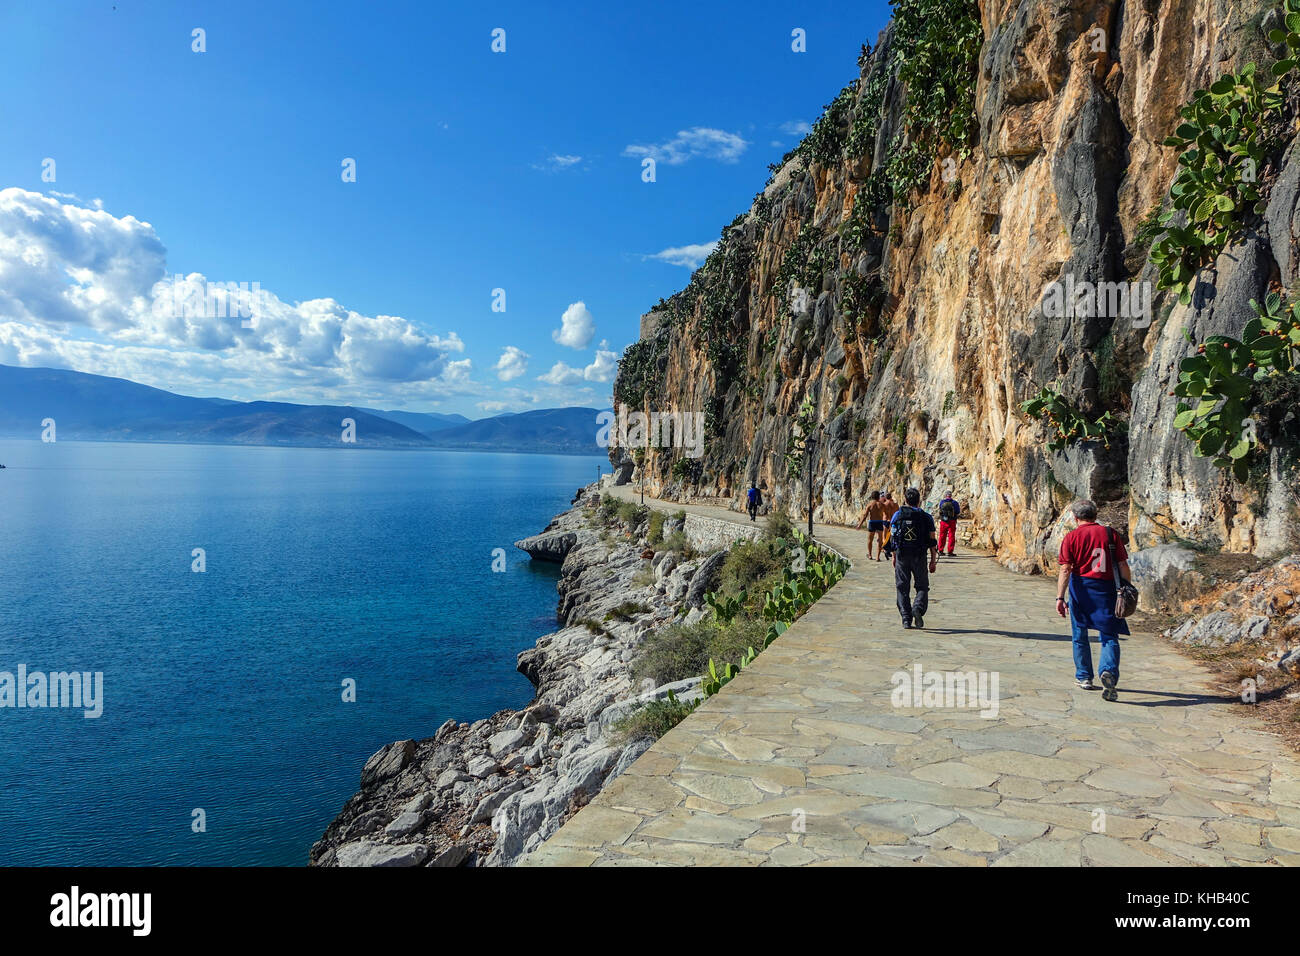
[754,500]
[911,536]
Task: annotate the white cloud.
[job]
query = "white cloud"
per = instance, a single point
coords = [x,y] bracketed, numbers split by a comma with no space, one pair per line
[81,288]
[512,364]
[692,257]
[493,407]
[691,143]
[576,327]
[604,367]
[561,374]
[557,162]
[457,372]
[795,128]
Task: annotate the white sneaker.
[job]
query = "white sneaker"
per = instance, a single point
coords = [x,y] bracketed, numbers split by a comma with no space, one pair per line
[1086,684]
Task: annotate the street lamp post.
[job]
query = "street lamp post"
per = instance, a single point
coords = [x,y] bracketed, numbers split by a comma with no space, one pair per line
[810,450]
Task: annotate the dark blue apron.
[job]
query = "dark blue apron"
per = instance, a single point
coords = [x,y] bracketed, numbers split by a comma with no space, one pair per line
[1092,605]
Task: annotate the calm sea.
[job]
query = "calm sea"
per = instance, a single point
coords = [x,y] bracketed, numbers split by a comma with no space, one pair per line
[223,690]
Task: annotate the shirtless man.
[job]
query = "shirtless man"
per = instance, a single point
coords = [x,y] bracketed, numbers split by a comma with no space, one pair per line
[877,524]
[891,509]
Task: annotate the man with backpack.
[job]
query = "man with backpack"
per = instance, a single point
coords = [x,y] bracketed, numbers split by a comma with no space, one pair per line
[755,498]
[911,536]
[949,509]
[1094,566]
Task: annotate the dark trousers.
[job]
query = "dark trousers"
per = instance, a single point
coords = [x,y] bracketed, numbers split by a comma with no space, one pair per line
[753,510]
[912,567]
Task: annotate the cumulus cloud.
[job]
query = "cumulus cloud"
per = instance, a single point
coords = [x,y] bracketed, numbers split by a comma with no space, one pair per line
[512,364]
[688,144]
[576,327]
[605,365]
[81,288]
[561,374]
[692,257]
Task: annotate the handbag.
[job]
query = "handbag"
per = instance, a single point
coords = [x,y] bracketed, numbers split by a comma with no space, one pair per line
[1126,595]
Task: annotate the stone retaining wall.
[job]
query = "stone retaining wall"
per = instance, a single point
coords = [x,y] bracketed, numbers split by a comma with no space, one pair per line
[710,534]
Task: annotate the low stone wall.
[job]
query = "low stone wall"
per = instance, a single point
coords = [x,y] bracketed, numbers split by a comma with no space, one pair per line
[710,534]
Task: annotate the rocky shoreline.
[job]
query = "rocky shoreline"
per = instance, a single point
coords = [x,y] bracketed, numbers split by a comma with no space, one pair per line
[487,792]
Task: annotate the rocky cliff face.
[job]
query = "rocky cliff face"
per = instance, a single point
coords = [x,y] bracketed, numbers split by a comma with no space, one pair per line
[913,319]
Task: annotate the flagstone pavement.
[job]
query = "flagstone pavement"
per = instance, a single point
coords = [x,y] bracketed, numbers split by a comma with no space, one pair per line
[804,759]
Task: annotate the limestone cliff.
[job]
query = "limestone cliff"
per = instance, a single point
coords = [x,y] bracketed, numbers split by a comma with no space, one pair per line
[905,302]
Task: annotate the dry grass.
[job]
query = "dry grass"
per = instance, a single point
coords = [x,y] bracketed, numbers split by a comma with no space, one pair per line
[1230,665]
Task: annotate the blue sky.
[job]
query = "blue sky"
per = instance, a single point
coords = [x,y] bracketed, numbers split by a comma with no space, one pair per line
[475,171]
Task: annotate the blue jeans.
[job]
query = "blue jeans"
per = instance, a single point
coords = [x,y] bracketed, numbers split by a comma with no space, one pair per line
[1083,653]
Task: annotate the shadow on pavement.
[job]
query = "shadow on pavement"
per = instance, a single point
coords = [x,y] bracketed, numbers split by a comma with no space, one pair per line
[1171,699]
[985,632]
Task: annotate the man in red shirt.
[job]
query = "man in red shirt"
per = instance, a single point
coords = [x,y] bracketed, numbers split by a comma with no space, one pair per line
[1089,557]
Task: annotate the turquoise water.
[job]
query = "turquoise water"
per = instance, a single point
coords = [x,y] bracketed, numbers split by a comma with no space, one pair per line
[223,689]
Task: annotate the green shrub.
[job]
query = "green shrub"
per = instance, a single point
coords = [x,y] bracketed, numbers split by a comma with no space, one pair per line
[655,534]
[1227,135]
[682,650]
[729,643]
[829,134]
[778,524]
[626,611]
[1230,131]
[678,542]
[1068,424]
[630,513]
[804,265]
[640,377]
[1243,389]
[674,653]
[688,469]
[736,646]
[747,563]
[936,55]
[651,720]
[800,430]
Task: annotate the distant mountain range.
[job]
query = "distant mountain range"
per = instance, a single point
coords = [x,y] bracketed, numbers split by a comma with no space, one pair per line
[96,407]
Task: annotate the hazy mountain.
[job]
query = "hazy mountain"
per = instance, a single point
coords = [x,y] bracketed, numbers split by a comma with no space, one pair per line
[423,422]
[113,409]
[565,431]
[97,407]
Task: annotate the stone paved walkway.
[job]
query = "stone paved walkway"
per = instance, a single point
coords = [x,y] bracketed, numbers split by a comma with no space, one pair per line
[803,759]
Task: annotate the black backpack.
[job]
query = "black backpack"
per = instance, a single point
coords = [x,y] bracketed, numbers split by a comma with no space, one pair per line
[912,534]
[948,509]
